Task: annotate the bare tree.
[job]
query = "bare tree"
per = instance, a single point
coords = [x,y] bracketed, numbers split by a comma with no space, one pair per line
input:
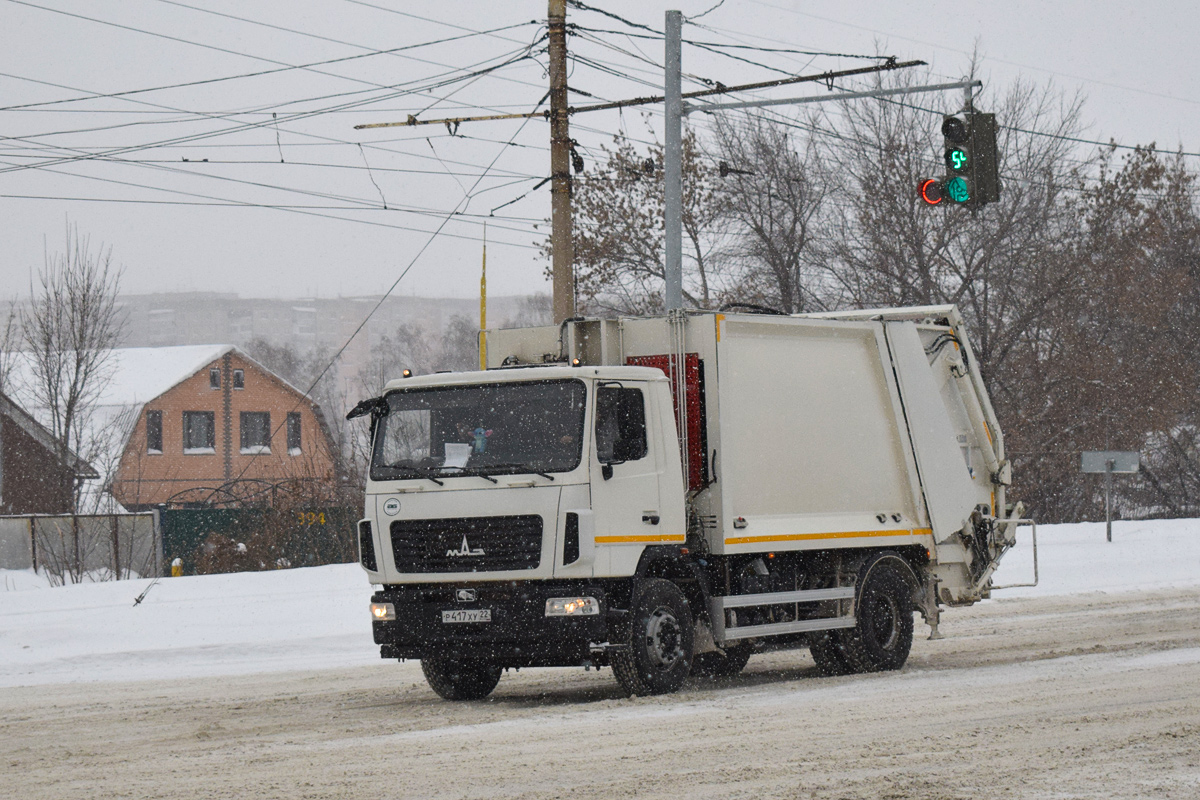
[1010,266]
[10,343]
[772,196]
[71,327]
[532,310]
[1130,349]
[618,235]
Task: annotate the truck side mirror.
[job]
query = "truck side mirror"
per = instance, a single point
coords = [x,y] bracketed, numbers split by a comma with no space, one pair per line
[606,470]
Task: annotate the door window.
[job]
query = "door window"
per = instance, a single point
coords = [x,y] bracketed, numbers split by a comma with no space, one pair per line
[620,425]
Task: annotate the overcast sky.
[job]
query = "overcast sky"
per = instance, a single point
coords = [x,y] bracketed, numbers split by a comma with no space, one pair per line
[291,200]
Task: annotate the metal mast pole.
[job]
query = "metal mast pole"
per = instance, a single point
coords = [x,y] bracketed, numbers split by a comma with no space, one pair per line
[483,304]
[673,164]
[561,247]
[1108,471]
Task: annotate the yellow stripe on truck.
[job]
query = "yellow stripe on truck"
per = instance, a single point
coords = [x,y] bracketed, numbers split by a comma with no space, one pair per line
[640,539]
[803,537]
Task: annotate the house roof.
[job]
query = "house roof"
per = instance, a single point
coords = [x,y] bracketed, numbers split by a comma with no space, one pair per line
[36,431]
[140,374]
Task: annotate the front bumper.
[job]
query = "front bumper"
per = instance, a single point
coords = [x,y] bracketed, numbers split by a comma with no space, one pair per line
[518,635]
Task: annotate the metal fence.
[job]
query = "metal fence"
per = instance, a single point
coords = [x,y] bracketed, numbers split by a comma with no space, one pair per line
[213,540]
[72,548]
[98,547]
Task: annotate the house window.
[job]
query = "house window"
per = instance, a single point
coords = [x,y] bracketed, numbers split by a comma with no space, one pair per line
[214,378]
[154,432]
[239,379]
[256,432]
[293,433]
[199,432]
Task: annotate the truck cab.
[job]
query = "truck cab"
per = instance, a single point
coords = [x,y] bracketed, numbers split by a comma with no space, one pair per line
[506,510]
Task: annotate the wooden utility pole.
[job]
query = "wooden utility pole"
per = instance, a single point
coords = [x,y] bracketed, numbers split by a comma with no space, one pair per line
[562,249]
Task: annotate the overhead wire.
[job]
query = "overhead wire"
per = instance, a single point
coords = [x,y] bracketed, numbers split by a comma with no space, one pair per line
[432,237]
[208,81]
[415,86]
[250,125]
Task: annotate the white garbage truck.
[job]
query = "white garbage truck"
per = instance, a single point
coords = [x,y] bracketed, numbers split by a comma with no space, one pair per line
[666,496]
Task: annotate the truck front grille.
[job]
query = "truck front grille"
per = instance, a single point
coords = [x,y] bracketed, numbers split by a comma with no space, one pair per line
[467,544]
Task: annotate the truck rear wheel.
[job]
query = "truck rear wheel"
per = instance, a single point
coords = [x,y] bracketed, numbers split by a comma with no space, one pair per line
[659,657]
[883,636]
[455,679]
[717,665]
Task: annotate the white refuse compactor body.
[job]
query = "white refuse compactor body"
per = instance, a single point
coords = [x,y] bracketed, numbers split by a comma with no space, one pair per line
[668,495]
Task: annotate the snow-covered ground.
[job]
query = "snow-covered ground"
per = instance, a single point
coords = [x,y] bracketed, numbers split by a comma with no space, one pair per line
[317,618]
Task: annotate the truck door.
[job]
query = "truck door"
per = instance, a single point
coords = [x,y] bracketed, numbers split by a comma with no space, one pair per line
[624,466]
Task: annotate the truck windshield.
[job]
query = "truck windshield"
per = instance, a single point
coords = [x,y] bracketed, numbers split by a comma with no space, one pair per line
[482,429]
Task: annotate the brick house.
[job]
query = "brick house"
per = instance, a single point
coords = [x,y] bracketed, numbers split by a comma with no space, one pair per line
[33,479]
[204,423]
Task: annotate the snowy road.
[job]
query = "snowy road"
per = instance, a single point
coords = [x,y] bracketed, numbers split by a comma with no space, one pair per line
[1076,696]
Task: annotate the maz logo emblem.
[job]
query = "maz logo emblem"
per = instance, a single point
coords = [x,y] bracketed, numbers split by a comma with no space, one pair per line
[465,550]
[466,595]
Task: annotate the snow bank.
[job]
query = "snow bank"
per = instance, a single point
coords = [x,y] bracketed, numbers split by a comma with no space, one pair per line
[311,618]
[1076,558]
[317,618]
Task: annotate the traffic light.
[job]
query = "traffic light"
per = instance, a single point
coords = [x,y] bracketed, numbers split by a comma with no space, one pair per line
[972,166]
[931,191]
[985,173]
[959,185]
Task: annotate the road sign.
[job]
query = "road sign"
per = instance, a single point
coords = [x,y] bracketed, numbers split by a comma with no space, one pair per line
[1122,461]
[1107,462]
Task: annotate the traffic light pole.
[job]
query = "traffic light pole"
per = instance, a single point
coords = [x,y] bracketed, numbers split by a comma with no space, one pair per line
[825,98]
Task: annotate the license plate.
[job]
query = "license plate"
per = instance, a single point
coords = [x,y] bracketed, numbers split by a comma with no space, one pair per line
[467,615]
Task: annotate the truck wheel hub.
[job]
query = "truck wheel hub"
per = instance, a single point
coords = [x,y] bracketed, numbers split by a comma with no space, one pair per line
[663,638]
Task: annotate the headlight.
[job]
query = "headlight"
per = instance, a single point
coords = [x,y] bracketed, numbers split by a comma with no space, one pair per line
[383,612]
[572,607]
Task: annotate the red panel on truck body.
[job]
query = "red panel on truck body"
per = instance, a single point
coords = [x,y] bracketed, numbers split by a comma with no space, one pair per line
[693,409]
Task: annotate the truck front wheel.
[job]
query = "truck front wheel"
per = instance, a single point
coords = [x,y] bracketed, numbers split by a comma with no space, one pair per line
[659,657]
[455,679]
[883,636]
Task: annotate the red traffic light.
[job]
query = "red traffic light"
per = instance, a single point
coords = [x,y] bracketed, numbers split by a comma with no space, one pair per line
[931,191]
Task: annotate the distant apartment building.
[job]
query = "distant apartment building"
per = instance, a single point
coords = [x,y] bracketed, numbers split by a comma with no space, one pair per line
[324,325]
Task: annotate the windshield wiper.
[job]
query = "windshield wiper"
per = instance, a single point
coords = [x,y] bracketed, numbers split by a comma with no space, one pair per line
[522,468]
[419,472]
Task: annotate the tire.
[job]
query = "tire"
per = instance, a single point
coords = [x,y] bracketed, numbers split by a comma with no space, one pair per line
[829,654]
[460,680]
[659,658]
[883,637]
[716,665]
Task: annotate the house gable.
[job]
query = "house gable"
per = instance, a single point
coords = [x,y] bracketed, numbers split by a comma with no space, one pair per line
[222,429]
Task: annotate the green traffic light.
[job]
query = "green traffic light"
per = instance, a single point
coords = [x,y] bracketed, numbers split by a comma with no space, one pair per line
[957,159]
[957,190]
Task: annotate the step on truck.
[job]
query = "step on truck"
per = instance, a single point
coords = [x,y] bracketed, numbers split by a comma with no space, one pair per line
[666,496]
